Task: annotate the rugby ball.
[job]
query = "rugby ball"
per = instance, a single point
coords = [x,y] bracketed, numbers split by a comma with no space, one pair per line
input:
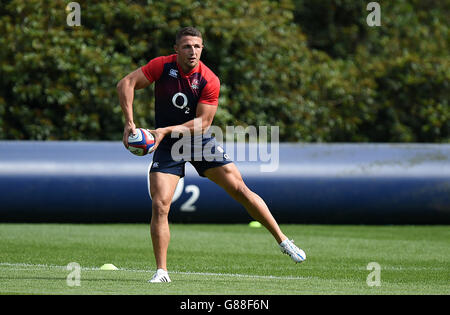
[141,143]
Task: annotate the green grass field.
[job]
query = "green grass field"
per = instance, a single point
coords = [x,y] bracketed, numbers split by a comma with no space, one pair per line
[224,259]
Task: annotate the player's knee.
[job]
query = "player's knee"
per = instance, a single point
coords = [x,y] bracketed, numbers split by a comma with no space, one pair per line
[160,207]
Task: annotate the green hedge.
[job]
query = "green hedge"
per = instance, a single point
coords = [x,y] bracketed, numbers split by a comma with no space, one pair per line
[312,67]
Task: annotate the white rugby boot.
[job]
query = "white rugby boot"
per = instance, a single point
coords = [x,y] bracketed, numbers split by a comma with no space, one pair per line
[289,248]
[161,275]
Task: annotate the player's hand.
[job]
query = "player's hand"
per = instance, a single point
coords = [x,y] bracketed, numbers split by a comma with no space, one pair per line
[130,128]
[159,134]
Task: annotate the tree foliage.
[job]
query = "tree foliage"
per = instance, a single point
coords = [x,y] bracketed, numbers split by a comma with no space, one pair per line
[313,67]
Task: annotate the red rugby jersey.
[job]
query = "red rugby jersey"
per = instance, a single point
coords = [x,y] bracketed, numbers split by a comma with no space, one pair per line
[176,93]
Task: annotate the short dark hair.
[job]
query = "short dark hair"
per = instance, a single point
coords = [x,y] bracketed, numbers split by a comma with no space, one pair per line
[187,31]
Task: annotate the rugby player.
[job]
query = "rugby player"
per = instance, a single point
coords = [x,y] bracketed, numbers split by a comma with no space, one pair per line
[186,99]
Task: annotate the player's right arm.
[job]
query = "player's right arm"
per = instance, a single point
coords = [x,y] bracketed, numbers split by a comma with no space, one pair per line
[125,88]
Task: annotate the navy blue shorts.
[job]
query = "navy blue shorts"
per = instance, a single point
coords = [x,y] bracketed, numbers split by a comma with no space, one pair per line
[205,154]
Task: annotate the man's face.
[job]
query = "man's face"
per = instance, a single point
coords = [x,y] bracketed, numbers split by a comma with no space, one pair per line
[189,50]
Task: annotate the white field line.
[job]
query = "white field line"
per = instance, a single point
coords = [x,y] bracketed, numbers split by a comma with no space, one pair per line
[25,266]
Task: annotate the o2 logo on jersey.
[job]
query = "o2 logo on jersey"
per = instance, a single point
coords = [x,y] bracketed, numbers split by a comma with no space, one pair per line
[185,102]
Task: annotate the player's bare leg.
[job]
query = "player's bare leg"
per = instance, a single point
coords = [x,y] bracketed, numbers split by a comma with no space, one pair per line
[229,178]
[162,189]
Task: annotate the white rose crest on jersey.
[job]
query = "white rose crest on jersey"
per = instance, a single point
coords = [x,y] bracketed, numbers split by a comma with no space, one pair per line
[195,84]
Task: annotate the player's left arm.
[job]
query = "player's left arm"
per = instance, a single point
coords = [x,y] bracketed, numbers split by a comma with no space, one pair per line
[204,117]
[203,120]
[205,112]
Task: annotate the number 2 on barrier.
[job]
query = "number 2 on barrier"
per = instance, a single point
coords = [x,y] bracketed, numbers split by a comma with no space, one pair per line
[188,205]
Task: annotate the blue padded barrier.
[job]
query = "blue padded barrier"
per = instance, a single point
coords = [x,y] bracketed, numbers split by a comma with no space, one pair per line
[307,183]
